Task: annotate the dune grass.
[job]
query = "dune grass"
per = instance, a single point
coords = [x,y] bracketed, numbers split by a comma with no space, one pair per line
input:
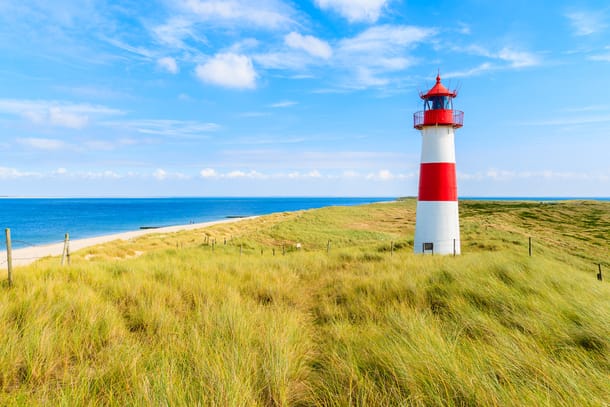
[185,319]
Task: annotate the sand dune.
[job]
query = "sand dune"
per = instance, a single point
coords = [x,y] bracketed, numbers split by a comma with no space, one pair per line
[28,255]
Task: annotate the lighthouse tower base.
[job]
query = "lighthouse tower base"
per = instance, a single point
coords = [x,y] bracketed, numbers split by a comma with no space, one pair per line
[437,228]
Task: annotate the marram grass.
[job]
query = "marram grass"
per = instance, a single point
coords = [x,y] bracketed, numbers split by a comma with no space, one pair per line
[173,320]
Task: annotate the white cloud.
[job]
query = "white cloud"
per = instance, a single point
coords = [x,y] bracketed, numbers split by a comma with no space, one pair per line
[254,114]
[186,129]
[381,175]
[99,145]
[355,10]
[241,174]
[253,174]
[601,57]
[518,59]
[285,103]
[506,58]
[312,45]
[13,173]
[61,117]
[387,175]
[386,38]
[174,32]
[169,64]
[104,174]
[605,57]
[208,173]
[54,113]
[236,174]
[107,174]
[228,70]
[463,28]
[315,174]
[509,175]
[365,77]
[586,22]
[282,60]
[484,67]
[142,53]
[271,14]
[42,143]
[379,51]
[569,120]
[160,174]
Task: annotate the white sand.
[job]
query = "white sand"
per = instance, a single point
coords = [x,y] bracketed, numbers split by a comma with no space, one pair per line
[28,255]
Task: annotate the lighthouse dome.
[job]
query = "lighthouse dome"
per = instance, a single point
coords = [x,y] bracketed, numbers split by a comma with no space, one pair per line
[438,90]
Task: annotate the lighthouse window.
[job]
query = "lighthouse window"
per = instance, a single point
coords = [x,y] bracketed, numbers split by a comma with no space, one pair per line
[439,102]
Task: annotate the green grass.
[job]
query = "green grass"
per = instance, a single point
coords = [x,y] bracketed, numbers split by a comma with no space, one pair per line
[171,320]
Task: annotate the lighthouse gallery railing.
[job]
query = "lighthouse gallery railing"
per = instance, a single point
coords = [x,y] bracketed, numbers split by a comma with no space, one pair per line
[457,120]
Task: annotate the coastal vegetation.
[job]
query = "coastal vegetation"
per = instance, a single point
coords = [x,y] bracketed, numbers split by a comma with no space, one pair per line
[235,314]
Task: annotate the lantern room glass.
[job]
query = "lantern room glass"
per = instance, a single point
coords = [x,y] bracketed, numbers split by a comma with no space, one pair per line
[438,103]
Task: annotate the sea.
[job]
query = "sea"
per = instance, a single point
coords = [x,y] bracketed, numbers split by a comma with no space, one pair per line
[38,221]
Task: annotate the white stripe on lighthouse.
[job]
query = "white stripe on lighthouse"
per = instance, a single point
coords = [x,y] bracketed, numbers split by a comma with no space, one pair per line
[437,223]
[438,145]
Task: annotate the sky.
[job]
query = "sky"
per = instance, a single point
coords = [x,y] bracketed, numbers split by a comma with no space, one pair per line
[299,98]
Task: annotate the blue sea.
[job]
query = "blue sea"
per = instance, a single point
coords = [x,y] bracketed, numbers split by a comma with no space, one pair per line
[36,221]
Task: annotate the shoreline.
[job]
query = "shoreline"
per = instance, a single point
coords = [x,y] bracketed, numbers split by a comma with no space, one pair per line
[28,255]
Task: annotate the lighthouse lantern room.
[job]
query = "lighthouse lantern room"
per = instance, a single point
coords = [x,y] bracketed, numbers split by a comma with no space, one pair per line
[437,225]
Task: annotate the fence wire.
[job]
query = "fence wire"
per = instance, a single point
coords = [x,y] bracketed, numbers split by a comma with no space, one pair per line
[24,244]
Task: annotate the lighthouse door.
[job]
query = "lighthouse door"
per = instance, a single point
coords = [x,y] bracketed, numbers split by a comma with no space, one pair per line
[428,247]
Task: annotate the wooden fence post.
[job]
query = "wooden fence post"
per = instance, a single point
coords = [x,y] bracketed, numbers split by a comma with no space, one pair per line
[599,274]
[68,248]
[392,248]
[9,257]
[530,246]
[66,252]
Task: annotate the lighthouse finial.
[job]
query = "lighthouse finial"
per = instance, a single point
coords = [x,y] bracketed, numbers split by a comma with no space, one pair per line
[438,76]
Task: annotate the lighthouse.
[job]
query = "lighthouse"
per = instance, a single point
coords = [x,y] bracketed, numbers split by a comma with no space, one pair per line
[437,223]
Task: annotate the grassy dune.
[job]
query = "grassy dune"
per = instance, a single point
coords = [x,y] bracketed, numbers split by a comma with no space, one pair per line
[175,320]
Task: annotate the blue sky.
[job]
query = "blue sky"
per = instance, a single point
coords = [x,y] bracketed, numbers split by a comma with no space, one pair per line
[316,97]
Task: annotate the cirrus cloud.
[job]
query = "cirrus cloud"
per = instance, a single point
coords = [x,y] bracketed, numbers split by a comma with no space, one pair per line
[586,22]
[310,44]
[355,10]
[168,64]
[42,143]
[270,14]
[55,113]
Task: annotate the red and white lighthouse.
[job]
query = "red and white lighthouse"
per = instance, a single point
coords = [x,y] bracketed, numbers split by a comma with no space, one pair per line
[437,224]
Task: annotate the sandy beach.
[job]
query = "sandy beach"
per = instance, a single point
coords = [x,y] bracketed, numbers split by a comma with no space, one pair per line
[28,255]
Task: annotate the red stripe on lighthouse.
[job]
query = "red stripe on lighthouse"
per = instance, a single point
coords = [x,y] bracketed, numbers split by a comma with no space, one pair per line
[437,182]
